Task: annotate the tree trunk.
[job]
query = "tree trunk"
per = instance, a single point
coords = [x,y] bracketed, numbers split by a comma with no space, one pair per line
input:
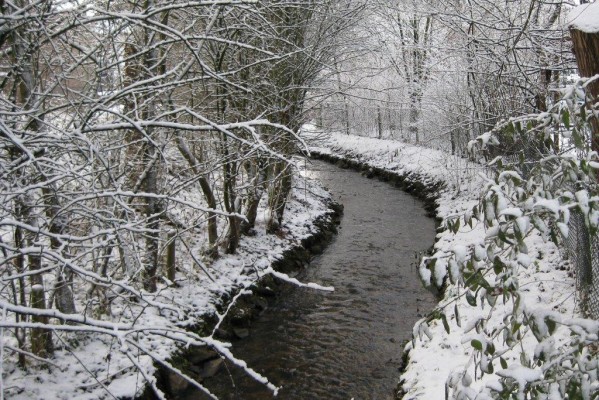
[41,338]
[229,195]
[415,103]
[150,157]
[586,50]
[230,200]
[379,121]
[257,171]
[24,52]
[22,296]
[153,221]
[452,138]
[344,96]
[208,194]
[170,256]
[63,287]
[280,177]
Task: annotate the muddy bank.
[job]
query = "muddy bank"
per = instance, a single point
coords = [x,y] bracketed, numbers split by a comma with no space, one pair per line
[248,308]
[202,363]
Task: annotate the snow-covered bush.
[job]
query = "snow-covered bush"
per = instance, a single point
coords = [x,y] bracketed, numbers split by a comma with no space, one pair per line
[522,199]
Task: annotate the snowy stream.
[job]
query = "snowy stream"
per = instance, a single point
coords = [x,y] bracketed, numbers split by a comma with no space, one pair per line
[348,343]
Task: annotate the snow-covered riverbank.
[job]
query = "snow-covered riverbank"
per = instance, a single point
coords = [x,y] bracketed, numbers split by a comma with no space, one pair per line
[437,358]
[99,367]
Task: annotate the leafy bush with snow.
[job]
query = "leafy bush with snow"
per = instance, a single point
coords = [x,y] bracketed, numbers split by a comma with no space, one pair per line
[523,199]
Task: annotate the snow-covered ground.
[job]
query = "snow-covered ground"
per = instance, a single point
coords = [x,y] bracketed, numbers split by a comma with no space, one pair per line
[91,365]
[437,358]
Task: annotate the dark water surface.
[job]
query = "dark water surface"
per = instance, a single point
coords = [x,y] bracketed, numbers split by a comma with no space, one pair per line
[348,343]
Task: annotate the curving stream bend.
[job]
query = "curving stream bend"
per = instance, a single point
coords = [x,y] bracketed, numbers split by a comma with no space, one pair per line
[348,343]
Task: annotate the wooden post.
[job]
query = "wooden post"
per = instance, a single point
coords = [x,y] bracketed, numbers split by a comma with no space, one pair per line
[586,50]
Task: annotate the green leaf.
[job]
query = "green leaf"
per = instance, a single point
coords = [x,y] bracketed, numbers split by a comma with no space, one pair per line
[516,327]
[518,127]
[457,315]
[553,236]
[566,118]
[479,325]
[477,280]
[509,129]
[498,265]
[470,265]
[577,139]
[470,298]
[550,325]
[573,389]
[477,344]
[491,299]
[503,237]
[445,324]
[456,226]
[503,362]
[536,332]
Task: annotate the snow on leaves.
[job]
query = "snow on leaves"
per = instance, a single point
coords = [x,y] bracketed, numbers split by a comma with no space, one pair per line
[517,204]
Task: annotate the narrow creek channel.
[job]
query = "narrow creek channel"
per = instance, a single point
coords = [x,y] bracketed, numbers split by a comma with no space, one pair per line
[348,343]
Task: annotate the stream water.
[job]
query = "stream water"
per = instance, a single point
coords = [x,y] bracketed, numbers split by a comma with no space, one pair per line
[348,343]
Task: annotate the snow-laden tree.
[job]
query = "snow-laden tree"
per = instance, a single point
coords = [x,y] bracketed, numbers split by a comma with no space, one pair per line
[514,53]
[407,42]
[450,71]
[126,127]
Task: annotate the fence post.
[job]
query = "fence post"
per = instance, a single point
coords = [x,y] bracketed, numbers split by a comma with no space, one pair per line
[585,43]
[586,50]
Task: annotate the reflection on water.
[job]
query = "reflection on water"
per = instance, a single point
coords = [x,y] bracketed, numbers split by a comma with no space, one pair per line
[348,343]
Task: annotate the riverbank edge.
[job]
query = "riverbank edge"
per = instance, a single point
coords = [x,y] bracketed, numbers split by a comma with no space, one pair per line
[410,182]
[203,363]
[442,350]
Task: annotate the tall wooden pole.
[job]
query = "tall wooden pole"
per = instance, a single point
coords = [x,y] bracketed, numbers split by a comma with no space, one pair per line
[586,49]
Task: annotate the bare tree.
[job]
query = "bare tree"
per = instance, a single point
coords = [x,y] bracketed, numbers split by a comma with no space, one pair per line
[123,122]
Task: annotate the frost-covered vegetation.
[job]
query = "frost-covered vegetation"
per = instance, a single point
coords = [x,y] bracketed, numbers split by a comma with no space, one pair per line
[146,155]
[442,73]
[139,143]
[510,324]
[531,350]
[494,83]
